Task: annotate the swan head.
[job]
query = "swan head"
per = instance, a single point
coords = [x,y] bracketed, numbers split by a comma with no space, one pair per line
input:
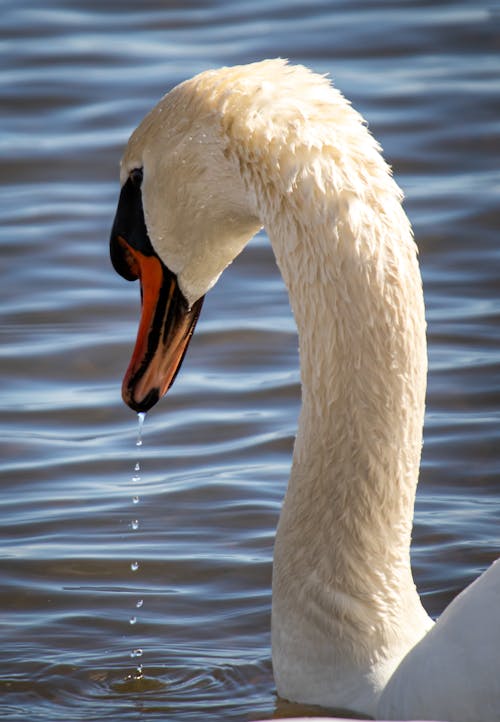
[183,215]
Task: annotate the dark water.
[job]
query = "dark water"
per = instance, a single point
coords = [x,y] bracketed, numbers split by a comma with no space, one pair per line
[76,78]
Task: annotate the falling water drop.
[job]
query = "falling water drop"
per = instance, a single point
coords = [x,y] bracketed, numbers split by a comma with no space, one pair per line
[134,526]
[140,416]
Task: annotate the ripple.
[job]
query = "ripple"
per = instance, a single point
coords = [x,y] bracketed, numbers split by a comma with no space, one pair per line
[77,78]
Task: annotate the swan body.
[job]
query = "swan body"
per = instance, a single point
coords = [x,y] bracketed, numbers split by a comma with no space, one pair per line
[274,145]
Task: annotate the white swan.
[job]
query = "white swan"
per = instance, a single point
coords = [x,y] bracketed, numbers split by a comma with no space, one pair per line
[275,145]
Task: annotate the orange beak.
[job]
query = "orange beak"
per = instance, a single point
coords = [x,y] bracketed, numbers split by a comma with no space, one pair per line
[165,329]
[167,323]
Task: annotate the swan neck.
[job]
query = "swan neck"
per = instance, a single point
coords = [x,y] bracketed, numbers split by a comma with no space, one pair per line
[343,591]
[358,305]
[345,609]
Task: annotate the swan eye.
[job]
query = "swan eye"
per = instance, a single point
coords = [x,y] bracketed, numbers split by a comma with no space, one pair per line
[136,177]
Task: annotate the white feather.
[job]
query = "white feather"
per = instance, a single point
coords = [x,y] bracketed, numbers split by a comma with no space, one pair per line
[275,145]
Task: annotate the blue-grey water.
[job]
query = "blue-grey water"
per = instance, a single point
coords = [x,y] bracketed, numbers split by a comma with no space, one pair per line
[76,78]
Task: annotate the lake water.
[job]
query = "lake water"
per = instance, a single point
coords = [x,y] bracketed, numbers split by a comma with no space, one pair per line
[77,76]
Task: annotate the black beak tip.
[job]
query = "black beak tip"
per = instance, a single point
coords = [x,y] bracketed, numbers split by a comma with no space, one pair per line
[145,404]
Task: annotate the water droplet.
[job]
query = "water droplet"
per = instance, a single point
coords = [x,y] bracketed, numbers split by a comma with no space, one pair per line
[134,525]
[140,417]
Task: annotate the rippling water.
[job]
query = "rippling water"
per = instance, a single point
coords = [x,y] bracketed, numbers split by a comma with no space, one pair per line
[77,77]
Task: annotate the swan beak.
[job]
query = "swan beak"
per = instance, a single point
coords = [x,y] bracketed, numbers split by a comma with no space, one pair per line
[167,322]
[165,329]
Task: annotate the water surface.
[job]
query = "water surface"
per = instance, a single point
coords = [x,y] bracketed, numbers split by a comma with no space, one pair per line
[77,76]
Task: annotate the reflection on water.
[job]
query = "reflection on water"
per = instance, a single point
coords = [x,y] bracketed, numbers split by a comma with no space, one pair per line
[77,78]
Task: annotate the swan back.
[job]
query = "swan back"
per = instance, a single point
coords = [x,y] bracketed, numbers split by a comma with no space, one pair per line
[453,673]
